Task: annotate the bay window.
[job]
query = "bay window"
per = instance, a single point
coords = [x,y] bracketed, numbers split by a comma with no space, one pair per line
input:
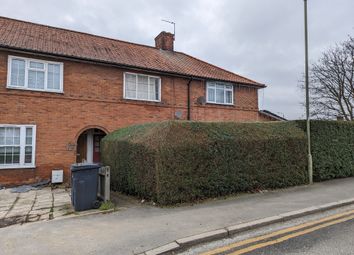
[34,74]
[220,93]
[17,146]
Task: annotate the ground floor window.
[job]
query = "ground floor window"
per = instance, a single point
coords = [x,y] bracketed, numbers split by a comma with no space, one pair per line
[17,146]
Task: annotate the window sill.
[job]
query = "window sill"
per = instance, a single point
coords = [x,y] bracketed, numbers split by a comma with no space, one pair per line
[142,100]
[35,90]
[219,104]
[9,167]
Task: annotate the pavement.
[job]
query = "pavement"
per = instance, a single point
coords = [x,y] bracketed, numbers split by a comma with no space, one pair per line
[34,205]
[136,228]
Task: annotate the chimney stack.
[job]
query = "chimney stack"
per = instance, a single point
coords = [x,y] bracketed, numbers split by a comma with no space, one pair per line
[164,41]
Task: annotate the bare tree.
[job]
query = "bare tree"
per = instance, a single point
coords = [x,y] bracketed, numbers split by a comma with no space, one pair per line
[332,83]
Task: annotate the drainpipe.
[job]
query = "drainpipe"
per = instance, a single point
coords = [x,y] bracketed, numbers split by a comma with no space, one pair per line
[189,99]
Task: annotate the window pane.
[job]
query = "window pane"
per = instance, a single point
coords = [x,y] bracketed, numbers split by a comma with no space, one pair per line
[211,85]
[36,65]
[211,94]
[228,86]
[53,76]
[2,135]
[8,155]
[130,94]
[153,88]
[36,79]
[9,136]
[28,154]
[143,87]
[29,136]
[218,86]
[219,95]
[16,136]
[157,90]
[17,72]
[16,155]
[228,97]
[2,155]
[130,85]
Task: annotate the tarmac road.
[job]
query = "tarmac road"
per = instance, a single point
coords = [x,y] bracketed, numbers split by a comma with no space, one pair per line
[337,239]
[329,233]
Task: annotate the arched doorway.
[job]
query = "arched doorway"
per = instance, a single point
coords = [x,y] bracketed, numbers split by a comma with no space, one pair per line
[88,149]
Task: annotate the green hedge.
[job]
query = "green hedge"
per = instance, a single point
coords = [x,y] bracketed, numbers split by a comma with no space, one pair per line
[332,148]
[176,161]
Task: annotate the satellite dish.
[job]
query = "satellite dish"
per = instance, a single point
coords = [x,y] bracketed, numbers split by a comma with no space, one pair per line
[201,100]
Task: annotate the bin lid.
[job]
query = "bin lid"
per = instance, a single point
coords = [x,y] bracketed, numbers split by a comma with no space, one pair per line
[83,167]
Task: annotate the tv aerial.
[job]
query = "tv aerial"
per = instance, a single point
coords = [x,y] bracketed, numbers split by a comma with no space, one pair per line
[174,26]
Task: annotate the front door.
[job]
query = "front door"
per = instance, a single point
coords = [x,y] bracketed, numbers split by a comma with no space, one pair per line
[81,151]
[97,147]
[89,146]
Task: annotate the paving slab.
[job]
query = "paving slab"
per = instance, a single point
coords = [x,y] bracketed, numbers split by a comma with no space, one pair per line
[33,217]
[7,202]
[33,205]
[2,214]
[5,208]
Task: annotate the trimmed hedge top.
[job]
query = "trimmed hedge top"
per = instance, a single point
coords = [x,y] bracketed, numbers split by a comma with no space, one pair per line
[154,134]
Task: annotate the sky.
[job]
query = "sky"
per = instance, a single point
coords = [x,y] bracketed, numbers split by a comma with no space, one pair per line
[260,39]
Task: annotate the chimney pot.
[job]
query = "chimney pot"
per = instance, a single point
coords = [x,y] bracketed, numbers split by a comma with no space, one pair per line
[164,41]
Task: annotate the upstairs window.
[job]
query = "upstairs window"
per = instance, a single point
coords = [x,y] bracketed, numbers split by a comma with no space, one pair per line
[32,74]
[17,146]
[220,93]
[142,87]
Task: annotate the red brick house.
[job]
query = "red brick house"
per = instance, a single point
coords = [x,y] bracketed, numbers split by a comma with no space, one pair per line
[61,91]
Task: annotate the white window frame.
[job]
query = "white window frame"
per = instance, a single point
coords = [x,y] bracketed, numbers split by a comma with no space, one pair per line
[136,82]
[22,163]
[208,83]
[27,68]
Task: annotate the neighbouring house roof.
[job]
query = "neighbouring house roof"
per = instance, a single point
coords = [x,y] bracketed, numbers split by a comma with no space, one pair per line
[27,36]
[271,115]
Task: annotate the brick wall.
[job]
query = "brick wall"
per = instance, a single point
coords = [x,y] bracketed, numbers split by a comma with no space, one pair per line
[93,97]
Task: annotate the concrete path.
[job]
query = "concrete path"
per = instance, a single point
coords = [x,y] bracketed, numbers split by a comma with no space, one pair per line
[140,228]
[34,205]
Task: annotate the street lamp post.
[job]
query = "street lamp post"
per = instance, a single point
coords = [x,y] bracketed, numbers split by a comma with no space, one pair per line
[309,156]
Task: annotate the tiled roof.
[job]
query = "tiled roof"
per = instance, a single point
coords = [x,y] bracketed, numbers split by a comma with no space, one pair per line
[21,35]
[272,115]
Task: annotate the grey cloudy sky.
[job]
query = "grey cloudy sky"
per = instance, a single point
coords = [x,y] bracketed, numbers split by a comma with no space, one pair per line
[260,39]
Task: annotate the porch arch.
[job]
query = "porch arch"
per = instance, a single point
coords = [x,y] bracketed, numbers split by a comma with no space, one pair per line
[88,144]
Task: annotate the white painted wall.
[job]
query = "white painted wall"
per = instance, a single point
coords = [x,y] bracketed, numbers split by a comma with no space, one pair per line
[89,146]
